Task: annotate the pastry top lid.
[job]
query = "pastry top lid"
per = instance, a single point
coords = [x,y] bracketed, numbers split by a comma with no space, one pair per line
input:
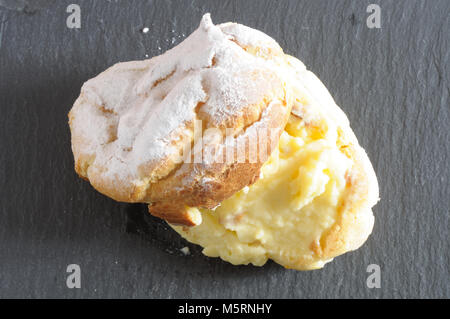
[132,124]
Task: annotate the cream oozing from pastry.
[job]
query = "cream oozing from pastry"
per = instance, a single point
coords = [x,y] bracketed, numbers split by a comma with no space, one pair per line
[299,198]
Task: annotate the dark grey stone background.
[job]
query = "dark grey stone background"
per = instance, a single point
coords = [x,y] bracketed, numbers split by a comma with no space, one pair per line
[392,82]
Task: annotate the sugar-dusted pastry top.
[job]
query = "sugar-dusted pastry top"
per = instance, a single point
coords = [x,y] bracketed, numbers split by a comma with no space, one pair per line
[313,200]
[133,124]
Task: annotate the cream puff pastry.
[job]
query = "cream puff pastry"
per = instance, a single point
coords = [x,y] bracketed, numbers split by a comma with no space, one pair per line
[300,195]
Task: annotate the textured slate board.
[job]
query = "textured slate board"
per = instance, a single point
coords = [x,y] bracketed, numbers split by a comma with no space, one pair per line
[393,83]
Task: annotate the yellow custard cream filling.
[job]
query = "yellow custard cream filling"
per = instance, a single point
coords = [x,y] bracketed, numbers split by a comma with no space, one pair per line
[293,203]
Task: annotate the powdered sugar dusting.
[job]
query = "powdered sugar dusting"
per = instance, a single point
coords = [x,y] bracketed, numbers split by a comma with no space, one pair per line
[131,113]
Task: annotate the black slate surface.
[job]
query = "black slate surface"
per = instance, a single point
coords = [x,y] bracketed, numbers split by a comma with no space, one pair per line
[392,82]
